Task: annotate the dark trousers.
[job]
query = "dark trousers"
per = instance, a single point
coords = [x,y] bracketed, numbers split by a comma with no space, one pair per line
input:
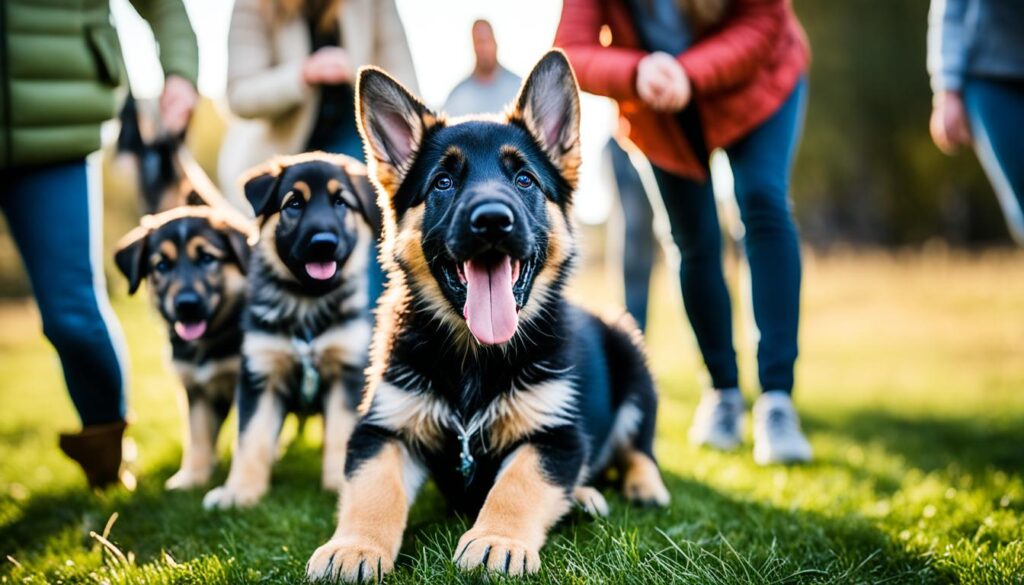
[636,240]
[761,164]
[56,220]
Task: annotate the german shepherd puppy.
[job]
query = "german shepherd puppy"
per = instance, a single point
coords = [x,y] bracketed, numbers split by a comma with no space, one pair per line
[483,376]
[194,259]
[307,322]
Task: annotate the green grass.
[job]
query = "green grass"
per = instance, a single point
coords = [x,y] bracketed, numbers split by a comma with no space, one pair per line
[911,384]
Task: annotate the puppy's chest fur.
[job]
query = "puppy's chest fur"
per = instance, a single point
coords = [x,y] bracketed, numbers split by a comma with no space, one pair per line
[288,333]
[446,404]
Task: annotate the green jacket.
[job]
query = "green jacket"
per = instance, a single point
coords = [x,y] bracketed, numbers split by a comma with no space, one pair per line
[60,62]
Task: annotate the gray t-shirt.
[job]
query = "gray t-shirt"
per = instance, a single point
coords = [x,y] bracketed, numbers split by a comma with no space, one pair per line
[471,96]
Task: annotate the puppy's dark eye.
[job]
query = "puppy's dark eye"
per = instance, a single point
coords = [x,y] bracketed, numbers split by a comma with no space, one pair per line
[294,203]
[162,266]
[524,181]
[338,201]
[206,259]
[443,183]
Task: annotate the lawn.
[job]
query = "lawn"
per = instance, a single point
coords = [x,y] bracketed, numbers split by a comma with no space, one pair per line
[911,383]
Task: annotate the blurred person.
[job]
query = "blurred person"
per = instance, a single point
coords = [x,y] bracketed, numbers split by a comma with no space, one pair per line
[490,87]
[691,76]
[632,238]
[291,76]
[976,64]
[52,109]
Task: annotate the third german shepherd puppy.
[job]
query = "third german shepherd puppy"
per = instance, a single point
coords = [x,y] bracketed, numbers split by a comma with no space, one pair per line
[307,325]
[194,260]
[483,377]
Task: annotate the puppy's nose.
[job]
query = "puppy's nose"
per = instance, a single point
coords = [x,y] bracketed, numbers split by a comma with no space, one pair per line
[491,220]
[188,306]
[323,243]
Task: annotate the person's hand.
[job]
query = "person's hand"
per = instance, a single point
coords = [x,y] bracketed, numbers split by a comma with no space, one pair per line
[328,66]
[662,83]
[948,125]
[176,104]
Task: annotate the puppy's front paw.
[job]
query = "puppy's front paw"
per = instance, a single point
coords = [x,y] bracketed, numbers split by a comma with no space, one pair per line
[227,496]
[186,479]
[510,556]
[349,559]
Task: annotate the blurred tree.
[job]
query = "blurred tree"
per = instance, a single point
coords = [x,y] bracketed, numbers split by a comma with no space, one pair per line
[868,172]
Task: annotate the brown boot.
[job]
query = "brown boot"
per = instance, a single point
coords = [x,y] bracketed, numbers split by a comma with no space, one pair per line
[97,449]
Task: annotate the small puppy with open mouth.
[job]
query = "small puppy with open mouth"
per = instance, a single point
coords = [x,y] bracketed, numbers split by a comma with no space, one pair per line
[194,259]
[307,324]
[484,377]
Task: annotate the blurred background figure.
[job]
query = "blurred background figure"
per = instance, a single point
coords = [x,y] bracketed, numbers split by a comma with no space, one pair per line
[50,195]
[291,70]
[631,232]
[976,64]
[691,76]
[490,87]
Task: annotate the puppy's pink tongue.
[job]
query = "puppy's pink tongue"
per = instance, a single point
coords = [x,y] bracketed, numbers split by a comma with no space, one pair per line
[190,331]
[490,308]
[321,270]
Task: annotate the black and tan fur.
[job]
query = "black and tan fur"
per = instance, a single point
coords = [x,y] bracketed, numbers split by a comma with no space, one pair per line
[563,399]
[194,260]
[311,208]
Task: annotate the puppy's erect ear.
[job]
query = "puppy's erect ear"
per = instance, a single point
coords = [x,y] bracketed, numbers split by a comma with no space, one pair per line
[549,106]
[392,123]
[259,185]
[130,257]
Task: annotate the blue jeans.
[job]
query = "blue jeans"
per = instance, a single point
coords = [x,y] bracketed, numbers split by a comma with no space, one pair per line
[761,164]
[56,219]
[995,108]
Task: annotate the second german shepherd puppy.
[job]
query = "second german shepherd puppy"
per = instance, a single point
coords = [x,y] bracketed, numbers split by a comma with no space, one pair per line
[307,323]
[483,376]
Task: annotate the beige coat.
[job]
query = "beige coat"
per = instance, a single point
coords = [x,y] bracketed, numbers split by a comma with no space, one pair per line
[274,110]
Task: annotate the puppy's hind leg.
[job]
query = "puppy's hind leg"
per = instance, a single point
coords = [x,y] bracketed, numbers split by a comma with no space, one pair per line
[633,436]
[641,478]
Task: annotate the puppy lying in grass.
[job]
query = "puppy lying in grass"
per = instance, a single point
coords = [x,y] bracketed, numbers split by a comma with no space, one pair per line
[483,376]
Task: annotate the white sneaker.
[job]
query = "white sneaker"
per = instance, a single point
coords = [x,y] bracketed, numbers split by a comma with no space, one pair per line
[718,421]
[777,434]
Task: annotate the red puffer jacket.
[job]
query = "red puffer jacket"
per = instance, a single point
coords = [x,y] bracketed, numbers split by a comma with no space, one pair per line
[741,72]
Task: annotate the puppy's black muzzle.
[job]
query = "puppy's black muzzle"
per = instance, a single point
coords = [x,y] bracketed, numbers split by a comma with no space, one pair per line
[188,307]
[491,220]
[487,223]
[323,246]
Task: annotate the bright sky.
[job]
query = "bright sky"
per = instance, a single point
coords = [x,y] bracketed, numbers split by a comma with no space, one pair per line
[439,37]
